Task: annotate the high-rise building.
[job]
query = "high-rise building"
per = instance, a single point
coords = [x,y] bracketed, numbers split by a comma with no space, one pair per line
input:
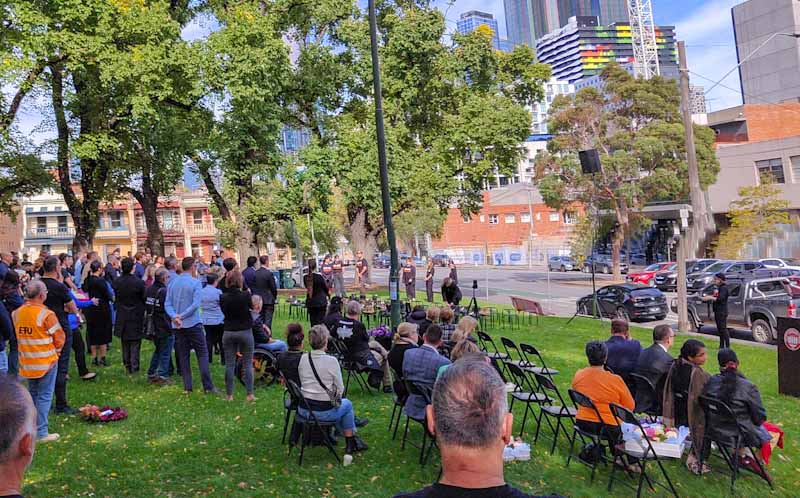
[583,47]
[541,110]
[545,17]
[697,99]
[609,11]
[770,56]
[472,20]
[519,22]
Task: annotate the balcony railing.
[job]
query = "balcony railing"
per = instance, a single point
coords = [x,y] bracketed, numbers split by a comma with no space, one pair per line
[112,232]
[141,228]
[201,229]
[51,233]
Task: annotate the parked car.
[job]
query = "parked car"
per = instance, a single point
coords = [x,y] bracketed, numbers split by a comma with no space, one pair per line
[381,261]
[603,264]
[787,263]
[647,276]
[636,259]
[755,304]
[699,265]
[627,301]
[667,280]
[561,263]
[440,259]
[695,282]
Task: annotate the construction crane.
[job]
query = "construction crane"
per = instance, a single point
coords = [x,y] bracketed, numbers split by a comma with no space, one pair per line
[643,35]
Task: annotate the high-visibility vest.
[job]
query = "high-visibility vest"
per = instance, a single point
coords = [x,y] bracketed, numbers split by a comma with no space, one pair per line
[39,336]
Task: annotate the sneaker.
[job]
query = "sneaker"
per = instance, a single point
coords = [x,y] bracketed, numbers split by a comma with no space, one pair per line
[89,376]
[361,422]
[49,438]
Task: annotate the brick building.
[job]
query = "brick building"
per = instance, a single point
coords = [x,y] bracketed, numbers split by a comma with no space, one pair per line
[501,232]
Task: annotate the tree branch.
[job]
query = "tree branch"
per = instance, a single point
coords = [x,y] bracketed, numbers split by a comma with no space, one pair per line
[7,117]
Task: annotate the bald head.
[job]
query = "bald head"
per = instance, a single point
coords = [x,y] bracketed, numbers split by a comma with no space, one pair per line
[17,424]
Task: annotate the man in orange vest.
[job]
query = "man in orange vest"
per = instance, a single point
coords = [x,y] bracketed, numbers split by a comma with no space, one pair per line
[39,339]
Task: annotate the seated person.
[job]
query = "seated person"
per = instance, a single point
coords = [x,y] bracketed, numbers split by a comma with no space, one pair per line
[623,352]
[451,294]
[405,339]
[472,424]
[603,388]
[319,383]
[420,366]
[289,360]
[466,326]
[17,435]
[742,396]
[687,378]
[262,335]
[419,317]
[654,363]
[366,352]
[461,349]
[446,323]
[334,314]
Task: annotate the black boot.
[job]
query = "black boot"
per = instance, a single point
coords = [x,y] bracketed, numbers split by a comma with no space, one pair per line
[350,445]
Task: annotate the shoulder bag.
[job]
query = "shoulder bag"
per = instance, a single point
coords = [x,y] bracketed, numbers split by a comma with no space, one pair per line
[333,393]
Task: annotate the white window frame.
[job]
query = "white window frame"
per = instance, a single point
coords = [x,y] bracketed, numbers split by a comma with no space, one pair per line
[494,219]
[510,219]
[524,217]
[555,217]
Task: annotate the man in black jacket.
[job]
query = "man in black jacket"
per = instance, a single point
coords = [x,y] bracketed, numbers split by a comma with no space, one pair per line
[654,363]
[451,294]
[129,325]
[264,286]
[720,306]
[362,350]
[164,340]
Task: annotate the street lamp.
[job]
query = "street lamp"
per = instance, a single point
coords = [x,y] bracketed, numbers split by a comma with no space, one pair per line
[385,198]
[529,189]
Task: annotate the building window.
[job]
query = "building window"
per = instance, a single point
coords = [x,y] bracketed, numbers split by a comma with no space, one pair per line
[494,219]
[466,219]
[570,218]
[62,224]
[796,168]
[43,209]
[510,218]
[197,217]
[41,224]
[772,167]
[525,217]
[554,216]
[167,220]
[115,218]
[538,216]
[482,218]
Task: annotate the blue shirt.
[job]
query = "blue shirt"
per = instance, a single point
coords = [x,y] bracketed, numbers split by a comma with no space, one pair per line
[209,306]
[183,300]
[138,270]
[78,270]
[3,269]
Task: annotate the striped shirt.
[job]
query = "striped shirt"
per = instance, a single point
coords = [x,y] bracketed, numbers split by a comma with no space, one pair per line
[39,339]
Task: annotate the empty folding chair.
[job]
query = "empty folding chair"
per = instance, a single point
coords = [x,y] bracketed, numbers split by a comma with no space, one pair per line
[534,362]
[426,392]
[556,408]
[525,392]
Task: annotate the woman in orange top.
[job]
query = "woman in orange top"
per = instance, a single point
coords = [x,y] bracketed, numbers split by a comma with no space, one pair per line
[602,387]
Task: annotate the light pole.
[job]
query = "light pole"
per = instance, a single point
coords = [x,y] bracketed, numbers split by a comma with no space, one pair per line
[384,171]
[529,189]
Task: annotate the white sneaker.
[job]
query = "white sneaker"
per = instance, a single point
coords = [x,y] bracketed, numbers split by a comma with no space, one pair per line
[50,438]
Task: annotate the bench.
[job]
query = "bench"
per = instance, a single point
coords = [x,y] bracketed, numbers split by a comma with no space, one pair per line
[530,306]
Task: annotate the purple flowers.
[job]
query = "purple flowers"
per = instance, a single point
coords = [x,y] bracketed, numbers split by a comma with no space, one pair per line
[381,331]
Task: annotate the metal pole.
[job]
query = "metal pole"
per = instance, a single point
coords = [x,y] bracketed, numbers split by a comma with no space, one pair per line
[384,171]
[683,312]
[595,308]
[314,247]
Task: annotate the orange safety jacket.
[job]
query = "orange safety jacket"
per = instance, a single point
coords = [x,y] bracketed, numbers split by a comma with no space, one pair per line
[39,339]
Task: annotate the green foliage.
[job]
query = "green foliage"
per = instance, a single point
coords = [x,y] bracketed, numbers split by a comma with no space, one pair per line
[757,213]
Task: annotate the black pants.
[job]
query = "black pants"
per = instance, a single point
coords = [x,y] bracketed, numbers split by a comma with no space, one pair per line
[79,348]
[214,339]
[429,290]
[722,329]
[316,315]
[130,355]
[610,432]
[411,292]
[267,311]
[61,372]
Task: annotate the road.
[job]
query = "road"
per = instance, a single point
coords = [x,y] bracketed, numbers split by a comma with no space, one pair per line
[558,292]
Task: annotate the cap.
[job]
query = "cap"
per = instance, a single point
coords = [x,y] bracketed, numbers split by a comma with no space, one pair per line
[720,276]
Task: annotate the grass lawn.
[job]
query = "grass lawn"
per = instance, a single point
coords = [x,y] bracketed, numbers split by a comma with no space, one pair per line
[196,445]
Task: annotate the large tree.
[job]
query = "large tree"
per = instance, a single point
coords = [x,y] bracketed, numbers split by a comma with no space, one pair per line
[636,127]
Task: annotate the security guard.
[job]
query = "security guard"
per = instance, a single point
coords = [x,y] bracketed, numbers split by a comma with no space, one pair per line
[410,279]
[429,280]
[338,275]
[327,271]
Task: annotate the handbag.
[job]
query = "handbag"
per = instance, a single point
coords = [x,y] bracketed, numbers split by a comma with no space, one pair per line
[333,394]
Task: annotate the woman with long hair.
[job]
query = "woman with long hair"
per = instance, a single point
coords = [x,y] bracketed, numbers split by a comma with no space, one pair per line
[466,326]
[238,334]
[98,318]
[316,294]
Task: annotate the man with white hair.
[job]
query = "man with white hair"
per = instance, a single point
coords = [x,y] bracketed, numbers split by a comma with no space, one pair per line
[472,425]
[39,339]
[362,349]
[17,435]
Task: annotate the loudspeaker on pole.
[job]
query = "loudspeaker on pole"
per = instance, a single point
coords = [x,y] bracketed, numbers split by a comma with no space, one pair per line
[590,161]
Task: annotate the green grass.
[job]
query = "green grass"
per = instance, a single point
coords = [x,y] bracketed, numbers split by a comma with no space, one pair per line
[195,445]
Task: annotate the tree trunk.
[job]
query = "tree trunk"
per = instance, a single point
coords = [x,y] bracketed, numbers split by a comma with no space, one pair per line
[148,200]
[623,225]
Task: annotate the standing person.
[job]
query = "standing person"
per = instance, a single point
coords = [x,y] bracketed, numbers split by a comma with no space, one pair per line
[67,271]
[164,339]
[138,266]
[98,318]
[112,268]
[327,271]
[212,317]
[40,338]
[264,286]
[86,268]
[80,261]
[338,276]
[82,301]
[150,275]
[249,273]
[183,308]
[719,304]
[171,264]
[453,271]
[6,331]
[238,335]
[316,294]
[60,302]
[410,279]
[429,273]
[5,261]
[129,326]
[362,272]
[11,295]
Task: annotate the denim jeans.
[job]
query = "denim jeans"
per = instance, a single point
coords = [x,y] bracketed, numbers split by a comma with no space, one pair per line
[61,374]
[13,356]
[3,362]
[275,346]
[159,363]
[342,416]
[41,390]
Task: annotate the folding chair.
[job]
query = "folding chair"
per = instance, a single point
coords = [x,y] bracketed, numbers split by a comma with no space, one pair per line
[398,400]
[645,389]
[597,438]
[526,393]
[640,455]
[511,348]
[485,341]
[353,368]
[558,411]
[532,357]
[729,447]
[426,392]
[309,424]
[289,407]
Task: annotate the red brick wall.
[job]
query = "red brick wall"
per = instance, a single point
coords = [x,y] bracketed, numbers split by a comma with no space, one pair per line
[770,122]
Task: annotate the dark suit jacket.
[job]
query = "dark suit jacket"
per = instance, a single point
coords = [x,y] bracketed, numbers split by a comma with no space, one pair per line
[248,275]
[264,285]
[130,302]
[654,363]
[623,355]
[421,366]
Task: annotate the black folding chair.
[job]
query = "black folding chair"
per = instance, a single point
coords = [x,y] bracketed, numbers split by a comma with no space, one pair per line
[558,411]
[310,426]
[511,349]
[646,390]
[526,393]
[352,367]
[426,392]
[485,342]
[289,407]
[595,438]
[640,455]
[398,400]
[728,446]
[533,358]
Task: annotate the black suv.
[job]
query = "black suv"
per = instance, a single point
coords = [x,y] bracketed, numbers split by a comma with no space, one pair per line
[627,301]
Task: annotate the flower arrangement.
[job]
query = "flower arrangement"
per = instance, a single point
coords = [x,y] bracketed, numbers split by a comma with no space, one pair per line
[91,413]
[381,331]
[659,433]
